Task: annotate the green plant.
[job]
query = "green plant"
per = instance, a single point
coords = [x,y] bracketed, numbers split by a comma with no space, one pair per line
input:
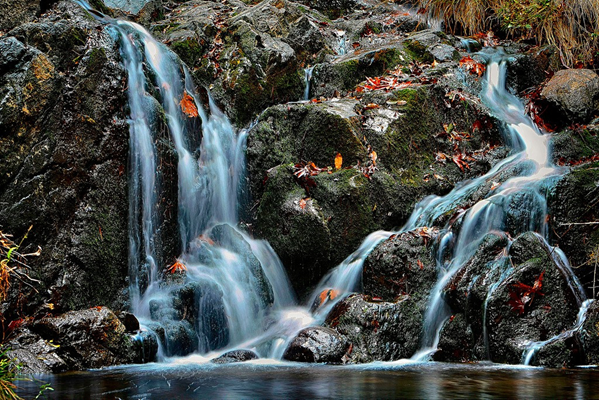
[8,375]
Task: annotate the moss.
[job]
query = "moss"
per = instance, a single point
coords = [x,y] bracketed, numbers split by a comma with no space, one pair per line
[189,50]
[407,147]
[97,59]
[418,51]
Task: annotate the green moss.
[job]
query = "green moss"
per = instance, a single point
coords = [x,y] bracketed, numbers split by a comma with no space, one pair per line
[418,51]
[97,59]
[188,50]
[408,146]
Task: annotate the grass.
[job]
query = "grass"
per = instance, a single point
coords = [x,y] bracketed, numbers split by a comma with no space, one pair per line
[572,26]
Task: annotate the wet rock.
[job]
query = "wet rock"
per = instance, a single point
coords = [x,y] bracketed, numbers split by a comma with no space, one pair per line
[76,340]
[332,8]
[235,356]
[313,224]
[377,330]
[574,93]
[589,335]
[402,265]
[22,11]
[571,204]
[128,6]
[64,148]
[129,320]
[444,52]
[485,292]
[317,344]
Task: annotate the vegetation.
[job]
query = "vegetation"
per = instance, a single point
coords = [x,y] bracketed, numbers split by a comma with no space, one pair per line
[572,26]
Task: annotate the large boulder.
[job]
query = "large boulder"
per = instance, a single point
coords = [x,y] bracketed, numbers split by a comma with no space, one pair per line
[377,330]
[574,93]
[396,148]
[317,345]
[76,340]
[507,299]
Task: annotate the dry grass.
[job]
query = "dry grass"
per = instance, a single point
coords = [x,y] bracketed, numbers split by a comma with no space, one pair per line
[572,26]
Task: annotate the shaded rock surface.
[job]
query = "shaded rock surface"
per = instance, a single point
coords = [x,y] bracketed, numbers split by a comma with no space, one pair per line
[485,292]
[317,344]
[235,356]
[64,156]
[76,340]
[574,93]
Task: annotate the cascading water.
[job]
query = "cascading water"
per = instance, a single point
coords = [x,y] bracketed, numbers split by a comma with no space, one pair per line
[307,79]
[522,174]
[237,284]
[240,294]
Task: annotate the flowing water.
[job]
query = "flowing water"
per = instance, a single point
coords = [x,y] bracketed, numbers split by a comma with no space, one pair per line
[241,295]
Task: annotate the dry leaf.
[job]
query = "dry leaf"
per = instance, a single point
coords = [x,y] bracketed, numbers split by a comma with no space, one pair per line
[338,161]
[188,106]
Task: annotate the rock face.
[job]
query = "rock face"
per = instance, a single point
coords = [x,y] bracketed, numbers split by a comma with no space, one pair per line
[64,156]
[494,319]
[317,344]
[76,340]
[402,129]
[574,92]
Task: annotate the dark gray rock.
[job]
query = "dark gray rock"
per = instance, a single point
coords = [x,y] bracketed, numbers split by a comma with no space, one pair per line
[317,345]
[235,356]
[377,330]
[76,340]
[574,92]
[484,293]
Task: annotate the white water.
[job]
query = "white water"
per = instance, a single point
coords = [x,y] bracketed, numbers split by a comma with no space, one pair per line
[307,79]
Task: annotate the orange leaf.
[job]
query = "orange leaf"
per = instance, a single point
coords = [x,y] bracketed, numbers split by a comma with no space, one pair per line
[188,106]
[373,157]
[371,106]
[177,267]
[302,203]
[338,161]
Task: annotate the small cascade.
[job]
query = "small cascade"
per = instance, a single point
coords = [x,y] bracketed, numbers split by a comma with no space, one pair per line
[520,176]
[234,287]
[307,79]
[533,347]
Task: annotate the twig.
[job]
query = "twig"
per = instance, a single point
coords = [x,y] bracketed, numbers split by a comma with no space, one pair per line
[578,223]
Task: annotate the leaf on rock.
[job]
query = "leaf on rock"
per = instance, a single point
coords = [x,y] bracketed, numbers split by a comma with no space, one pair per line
[177,267]
[188,106]
[338,161]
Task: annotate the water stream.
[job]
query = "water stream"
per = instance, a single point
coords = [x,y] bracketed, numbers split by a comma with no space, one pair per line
[241,295]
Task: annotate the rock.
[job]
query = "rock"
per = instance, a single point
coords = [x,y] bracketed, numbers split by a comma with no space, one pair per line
[317,345]
[22,11]
[571,203]
[314,224]
[574,93]
[235,356]
[402,265]
[129,320]
[64,155]
[128,6]
[444,52]
[589,335]
[76,340]
[483,293]
[377,330]
[332,8]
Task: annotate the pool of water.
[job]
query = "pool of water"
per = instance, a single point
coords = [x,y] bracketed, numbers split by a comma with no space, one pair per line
[293,381]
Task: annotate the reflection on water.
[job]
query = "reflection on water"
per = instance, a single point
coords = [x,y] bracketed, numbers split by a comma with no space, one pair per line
[296,381]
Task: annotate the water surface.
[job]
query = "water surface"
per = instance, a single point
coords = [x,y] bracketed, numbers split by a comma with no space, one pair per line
[297,381]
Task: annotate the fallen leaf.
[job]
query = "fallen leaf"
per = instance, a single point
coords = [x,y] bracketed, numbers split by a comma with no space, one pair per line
[178,266]
[338,161]
[302,203]
[188,106]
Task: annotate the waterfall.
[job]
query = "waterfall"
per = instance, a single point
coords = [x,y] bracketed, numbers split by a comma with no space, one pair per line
[531,164]
[238,285]
[307,79]
[234,291]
